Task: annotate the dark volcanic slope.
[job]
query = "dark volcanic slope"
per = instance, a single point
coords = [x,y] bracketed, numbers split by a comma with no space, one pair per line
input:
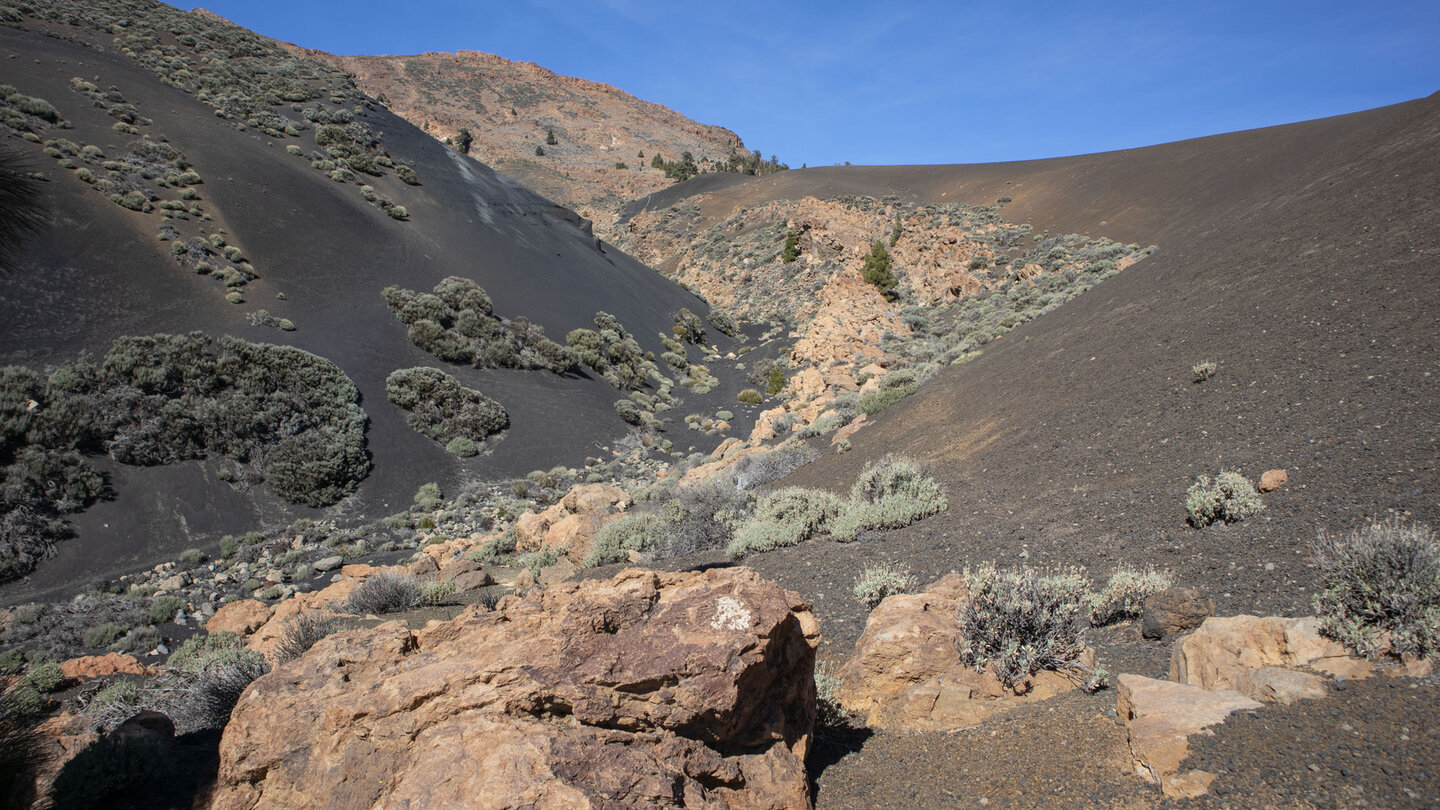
[1310,274]
[100,272]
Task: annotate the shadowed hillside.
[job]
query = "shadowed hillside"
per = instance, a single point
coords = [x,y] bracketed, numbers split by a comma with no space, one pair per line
[319,243]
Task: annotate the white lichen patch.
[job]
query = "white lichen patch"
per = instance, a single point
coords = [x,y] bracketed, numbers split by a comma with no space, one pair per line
[730,614]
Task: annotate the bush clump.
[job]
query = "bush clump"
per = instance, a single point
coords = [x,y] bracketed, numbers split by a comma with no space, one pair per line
[1230,498]
[1380,588]
[1124,595]
[750,397]
[879,581]
[890,493]
[444,410]
[457,323]
[1019,622]
[613,353]
[385,593]
[785,518]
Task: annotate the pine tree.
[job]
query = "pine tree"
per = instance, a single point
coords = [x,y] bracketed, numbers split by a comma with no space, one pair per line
[463,140]
[877,269]
[539,151]
[792,248]
[550,137]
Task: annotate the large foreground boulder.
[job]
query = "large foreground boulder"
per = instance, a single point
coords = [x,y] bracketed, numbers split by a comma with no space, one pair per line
[648,690]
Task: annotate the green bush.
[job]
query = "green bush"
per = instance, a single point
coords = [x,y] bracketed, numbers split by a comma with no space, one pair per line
[888,494]
[613,543]
[1018,622]
[102,635]
[1230,498]
[44,677]
[775,381]
[791,251]
[785,518]
[461,447]
[750,397]
[385,593]
[407,175]
[197,653]
[879,581]
[163,608]
[1380,588]
[1124,595]
[444,410]
[876,270]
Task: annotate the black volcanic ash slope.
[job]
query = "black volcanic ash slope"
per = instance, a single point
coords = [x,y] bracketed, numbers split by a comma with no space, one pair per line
[283,181]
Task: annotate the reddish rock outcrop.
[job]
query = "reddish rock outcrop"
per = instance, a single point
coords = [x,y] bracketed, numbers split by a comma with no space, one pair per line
[906,673]
[99,666]
[649,690]
[572,523]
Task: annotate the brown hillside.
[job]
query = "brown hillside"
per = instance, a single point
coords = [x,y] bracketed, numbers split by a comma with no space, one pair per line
[508,108]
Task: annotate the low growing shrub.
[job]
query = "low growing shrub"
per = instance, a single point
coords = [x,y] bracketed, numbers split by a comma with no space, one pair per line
[1230,498]
[385,593]
[890,493]
[1019,622]
[785,518]
[879,581]
[1381,582]
[1124,595]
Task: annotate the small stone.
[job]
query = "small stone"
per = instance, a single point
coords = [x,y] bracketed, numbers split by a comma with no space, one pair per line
[1273,480]
[1173,611]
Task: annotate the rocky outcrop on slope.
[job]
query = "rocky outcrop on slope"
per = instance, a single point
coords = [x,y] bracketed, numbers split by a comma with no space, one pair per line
[510,108]
[650,689]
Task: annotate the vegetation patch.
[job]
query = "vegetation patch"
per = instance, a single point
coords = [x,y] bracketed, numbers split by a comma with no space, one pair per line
[457,323]
[1019,622]
[1229,498]
[1380,588]
[891,493]
[613,353]
[444,410]
[284,416]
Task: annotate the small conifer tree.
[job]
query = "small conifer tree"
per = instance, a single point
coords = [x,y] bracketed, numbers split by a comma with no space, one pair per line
[877,269]
[792,248]
[539,151]
[550,137]
[463,140]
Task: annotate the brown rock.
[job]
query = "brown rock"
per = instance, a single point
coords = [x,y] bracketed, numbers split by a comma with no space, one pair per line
[649,689]
[1224,647]
[530,529]
[575,534]
[1273,479]
[360,570]
[470,580]
[1174,610]
[849,430]
[424,564]
[595,499]
[906,675]
[99,666]
[463,565]
[241,617]
[557,573]
[1160,716]
[1280,685]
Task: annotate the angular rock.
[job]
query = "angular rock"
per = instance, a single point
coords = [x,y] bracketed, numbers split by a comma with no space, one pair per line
[1280,685]
[328,563]
[1173,611]
[595,499]
[906,675]
[648,690]
[1226,646]
[99,666]
[423,565]
[470,580]
[241,617]
[1160,716]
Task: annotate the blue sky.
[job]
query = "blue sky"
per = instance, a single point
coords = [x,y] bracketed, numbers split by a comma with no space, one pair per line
[926,82]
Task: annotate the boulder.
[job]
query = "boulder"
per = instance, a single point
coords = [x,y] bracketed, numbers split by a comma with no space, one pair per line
[99,666]
[424,564]
[906,674]
[595,499]
[571,524]
[1173,611]
[1216,655]
[241,617]
[470,580]
[1160,716]
[1280,685]
[328,563]
[647,690]
[1273,480]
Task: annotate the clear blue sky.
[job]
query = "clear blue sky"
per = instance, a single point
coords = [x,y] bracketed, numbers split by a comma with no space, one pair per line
[926,82]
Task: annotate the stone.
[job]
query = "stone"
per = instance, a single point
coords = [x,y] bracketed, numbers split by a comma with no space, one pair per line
[470,580]
[1173,611]
[648,689]
[1280,685]
[1160,716]
[424,564]
[359,570]
[87,667]
[846,431]
[1213,656]
[906,674]
[455,568]
[146,725]
[594,499]
[559,572]
[241,617]
[328,563]
[1273,479]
